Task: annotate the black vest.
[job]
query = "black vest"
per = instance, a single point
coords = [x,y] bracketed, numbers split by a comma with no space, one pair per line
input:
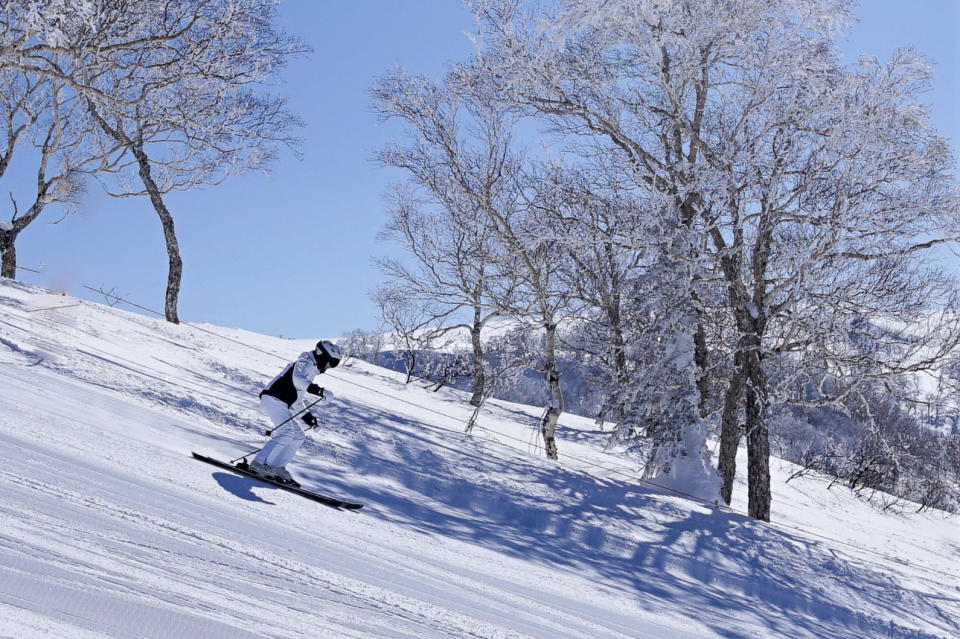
[283,389]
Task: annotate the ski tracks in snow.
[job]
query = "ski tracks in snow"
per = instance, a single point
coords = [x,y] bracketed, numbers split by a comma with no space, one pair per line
[134,555]
[118,568]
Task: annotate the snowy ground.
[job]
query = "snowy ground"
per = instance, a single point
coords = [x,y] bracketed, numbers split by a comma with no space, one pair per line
[108,528]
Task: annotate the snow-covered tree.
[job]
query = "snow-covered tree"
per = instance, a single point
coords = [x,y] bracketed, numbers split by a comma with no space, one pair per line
[21,105]
[44,116]
[462,151]
[361,344]
[457,159]
[792,165]
[451,271]
[414,326]
[541,299]
[176,86]
[600,251]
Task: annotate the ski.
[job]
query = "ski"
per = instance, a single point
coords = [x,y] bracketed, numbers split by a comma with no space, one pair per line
[327,500]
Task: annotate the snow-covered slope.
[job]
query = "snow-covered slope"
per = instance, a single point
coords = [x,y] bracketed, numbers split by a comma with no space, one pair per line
[108,528]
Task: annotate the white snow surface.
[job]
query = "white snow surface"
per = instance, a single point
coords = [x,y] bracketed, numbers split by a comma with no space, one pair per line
[108,527]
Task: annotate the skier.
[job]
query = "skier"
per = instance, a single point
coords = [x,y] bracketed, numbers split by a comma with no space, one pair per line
[291,392]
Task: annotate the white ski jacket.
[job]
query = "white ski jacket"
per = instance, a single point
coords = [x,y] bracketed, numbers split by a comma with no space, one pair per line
[290,386]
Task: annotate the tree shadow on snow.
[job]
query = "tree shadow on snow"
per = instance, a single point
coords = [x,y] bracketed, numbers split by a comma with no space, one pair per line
[665,553]
[773,578]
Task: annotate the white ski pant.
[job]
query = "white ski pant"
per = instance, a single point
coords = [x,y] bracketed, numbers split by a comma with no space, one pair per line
[287,439]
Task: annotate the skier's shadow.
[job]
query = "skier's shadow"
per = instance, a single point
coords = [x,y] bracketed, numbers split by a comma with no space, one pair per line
[240,486]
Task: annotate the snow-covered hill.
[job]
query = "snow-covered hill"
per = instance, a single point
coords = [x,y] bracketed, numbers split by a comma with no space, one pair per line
[108,528]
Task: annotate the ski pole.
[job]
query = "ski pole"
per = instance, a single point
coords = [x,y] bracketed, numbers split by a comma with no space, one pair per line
[298,413]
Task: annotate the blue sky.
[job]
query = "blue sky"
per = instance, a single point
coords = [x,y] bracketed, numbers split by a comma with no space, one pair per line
[290,253]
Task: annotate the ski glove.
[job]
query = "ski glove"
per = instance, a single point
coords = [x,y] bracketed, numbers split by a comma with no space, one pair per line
[310,420]
[313,389]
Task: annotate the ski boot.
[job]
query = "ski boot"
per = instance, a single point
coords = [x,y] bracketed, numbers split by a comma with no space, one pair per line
[284,477]
[278,474]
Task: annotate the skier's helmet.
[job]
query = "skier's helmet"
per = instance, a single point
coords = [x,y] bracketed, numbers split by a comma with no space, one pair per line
[327,351]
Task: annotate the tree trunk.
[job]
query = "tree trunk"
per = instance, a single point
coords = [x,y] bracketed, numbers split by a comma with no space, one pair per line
[8,238]
[700,356]
[758,439]
[688,213]
[411,364]
[730,432]
[175,269]
[479,377]
[619,359]
[749,313]
[552,415]
[8,254]
[549,430]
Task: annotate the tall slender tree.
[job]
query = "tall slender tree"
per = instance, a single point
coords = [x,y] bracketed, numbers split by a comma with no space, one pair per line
[177,87]
[462,151]
[438,217]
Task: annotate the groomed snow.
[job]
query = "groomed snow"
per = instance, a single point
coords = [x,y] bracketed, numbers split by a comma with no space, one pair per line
[108,528]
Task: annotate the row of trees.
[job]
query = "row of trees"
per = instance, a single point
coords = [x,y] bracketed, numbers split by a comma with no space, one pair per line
[146,97]
[700,199]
